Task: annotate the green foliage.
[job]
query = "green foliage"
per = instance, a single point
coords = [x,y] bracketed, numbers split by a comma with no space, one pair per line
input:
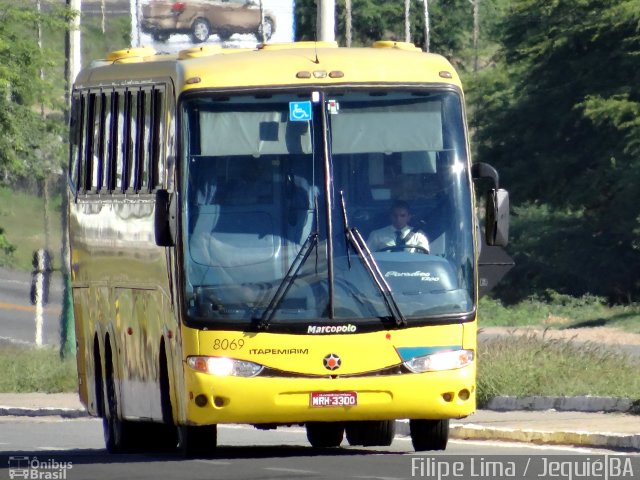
[558,117]
[450,24]
[528,365]
[36,370]
[22,217]
[96,44]
[7,249]
[30,142]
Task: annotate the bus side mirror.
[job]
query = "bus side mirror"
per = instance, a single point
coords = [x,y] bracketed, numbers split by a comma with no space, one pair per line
[166,224]
[497,216]
[497,206]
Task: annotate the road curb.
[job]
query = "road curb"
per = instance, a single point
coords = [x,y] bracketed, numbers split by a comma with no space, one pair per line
[586,439]
[43,412]
[470,431]
[583,403]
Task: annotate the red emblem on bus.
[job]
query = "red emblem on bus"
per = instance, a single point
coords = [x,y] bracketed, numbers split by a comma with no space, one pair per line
[331,361]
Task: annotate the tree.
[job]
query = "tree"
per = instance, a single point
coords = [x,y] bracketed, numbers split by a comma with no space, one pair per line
[28,138]
[451,23]
[558,115]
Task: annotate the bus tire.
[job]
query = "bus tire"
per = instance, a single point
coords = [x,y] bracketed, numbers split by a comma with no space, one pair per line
[165,434]
[429,434]
[197,441]
[118,433]
[375,433]
[200,30]
[155,437]
[325,434]
[98,383]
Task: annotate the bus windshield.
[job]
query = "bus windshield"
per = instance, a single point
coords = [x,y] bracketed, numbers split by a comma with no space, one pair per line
[271,181]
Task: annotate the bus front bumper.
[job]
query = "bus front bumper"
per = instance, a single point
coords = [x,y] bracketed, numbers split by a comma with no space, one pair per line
[430,395]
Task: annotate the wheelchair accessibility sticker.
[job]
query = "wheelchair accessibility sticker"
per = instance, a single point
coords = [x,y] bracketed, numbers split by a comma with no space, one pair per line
[300,111]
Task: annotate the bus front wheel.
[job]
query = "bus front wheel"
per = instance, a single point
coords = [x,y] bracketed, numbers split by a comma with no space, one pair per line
[325,434]
[429,434]
[197,441]
[379,433]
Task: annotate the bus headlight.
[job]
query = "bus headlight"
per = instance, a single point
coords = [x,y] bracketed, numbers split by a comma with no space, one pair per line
[224,367]
[440,361]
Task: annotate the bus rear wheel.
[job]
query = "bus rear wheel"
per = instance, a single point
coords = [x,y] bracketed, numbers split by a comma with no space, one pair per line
[118,433]
[325,434]
[197,441]
[371,433]
[429,434]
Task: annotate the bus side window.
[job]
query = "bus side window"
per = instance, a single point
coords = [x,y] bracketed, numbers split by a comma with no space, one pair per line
[144,153]
[82,147]
[138,169]
[155,138]
[88,142]
[75,139]
[112,144]
[95,160]
[130,140]
[119,143]
[105,141]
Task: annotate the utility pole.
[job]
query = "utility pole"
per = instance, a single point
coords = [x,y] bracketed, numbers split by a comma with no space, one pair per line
[476,33]
[136,10]
[72,48]
[71,68]
[102,11]
[262,37]
[326,15]
[427,32]
[348,26]
[407,21]
[45,160]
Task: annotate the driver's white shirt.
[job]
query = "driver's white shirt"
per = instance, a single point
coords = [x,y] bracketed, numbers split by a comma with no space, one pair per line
[386,237]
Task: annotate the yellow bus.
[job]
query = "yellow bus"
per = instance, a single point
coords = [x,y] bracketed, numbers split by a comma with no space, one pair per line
[223,206]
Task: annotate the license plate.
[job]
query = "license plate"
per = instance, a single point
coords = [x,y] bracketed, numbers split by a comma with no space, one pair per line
[333,399]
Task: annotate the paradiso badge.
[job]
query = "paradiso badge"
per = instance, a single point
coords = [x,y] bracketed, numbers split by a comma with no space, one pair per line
[331,361]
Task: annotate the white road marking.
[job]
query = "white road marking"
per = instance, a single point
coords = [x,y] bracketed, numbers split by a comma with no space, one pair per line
[289,470]
[214,462]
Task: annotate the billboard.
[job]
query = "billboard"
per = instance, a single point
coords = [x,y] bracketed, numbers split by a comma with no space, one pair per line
[170,26]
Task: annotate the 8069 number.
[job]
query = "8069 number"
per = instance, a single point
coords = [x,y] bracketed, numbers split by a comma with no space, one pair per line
[226,344]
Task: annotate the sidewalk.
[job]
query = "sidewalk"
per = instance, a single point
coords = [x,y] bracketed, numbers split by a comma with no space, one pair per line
[617,431]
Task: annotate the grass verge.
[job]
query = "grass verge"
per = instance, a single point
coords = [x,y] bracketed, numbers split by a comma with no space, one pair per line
[527,365]
[560,311]
[23,220]
[29,369]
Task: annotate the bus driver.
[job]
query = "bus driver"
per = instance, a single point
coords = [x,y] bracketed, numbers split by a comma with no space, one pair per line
[399,235]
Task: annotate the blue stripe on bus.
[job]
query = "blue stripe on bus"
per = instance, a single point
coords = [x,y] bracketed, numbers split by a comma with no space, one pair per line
[407,353]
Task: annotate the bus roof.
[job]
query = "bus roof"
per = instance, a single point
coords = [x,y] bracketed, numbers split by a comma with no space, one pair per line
[293,64]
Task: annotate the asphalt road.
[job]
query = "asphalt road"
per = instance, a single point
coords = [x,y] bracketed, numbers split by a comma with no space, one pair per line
[17,315]
[243,453]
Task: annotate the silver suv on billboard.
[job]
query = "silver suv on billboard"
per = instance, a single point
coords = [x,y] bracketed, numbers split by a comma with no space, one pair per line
[202,18]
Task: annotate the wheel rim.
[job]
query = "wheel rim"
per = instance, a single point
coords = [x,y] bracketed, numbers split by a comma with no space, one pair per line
[267,29]
[201,31]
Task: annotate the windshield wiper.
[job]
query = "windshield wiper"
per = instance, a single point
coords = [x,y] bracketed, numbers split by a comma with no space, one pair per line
[360,247]
[287,281]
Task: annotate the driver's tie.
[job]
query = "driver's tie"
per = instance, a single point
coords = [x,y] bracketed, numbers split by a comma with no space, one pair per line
[399,240]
